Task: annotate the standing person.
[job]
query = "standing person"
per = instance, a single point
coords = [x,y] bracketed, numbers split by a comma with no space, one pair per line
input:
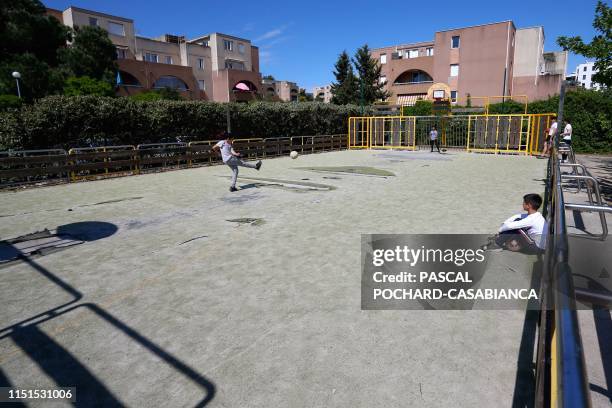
[232,158]
[550,137]
[433,139]
[567,138]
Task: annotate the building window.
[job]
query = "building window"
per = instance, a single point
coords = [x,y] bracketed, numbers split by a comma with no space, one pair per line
[228,45]
[237,65]
[413,53]
[383,79]
[584,77]
[121,53]
[584,69]
[454,96]
[93,21]
[429,52]
[241,48]
[116,28]
[168,59]
[201,84]
[151,57]
[383,58]
[455,41]
[454,70]
[201,64]
[169,81]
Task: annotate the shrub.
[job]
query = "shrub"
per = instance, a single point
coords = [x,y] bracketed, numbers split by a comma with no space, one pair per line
[9,103]
[420,108]
[77,86]
[61,121]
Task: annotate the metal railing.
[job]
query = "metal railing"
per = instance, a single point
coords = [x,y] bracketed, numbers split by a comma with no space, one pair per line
[45,166]
[561,370]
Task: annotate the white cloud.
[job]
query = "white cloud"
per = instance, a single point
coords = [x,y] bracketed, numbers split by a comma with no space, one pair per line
[270,34]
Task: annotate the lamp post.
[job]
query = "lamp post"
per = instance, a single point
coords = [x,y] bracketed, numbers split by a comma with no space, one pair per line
[17,75]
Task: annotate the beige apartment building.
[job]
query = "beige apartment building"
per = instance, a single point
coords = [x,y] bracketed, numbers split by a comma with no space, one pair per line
[215,67]
[322,93]
[481,61]
[285,91]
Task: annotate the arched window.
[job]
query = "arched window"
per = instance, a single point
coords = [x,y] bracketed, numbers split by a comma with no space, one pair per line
[245,86]
[271,91]
[127,79]
[414,76]
[169,81]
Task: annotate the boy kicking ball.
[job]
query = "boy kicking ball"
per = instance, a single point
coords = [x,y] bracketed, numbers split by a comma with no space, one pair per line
[232,158]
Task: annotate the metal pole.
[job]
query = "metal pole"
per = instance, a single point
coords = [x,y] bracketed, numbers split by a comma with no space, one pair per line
[18,90]
[361,94]
[560,113]
[228,120]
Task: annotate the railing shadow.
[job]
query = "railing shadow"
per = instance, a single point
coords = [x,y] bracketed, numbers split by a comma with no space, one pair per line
[59,364]
[525,381]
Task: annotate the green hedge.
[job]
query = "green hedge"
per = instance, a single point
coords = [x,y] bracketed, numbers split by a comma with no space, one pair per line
[589,112]
[61,121]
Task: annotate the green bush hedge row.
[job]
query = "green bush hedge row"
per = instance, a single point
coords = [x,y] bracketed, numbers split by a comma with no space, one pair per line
[63,122]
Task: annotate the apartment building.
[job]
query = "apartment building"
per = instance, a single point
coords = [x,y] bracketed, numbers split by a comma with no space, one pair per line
[322,93]
[584,75]
[285,91]
[487,60]
[216,67]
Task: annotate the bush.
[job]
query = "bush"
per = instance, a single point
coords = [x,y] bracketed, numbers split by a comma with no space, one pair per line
[589,112]
[61,121]
[77,86]
[170,94]
[9,103]
[420,108]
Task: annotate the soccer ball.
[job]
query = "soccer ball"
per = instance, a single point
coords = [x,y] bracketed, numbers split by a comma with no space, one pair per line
[293,154]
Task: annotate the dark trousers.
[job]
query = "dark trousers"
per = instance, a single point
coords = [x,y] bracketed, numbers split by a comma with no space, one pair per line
[432,142]
[569,144]
[525,243]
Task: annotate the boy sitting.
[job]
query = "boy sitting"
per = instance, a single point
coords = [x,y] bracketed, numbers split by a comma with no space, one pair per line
[522,232]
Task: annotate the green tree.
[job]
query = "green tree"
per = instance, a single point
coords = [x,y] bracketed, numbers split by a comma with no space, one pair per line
[76,86]
[91,54]
[270,77]
[371,89]
[304,97]
[344,90]
[600,47]
[29,41]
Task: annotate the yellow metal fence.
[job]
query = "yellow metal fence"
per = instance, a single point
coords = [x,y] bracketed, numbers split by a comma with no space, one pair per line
[516,133]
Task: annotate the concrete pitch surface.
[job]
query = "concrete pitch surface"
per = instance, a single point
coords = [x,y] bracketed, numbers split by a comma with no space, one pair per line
[174,305]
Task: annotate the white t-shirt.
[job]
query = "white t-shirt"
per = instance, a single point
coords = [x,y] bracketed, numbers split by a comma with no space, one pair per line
[553,129]
[226,150]
[568,132]
[433,135]
[533,223]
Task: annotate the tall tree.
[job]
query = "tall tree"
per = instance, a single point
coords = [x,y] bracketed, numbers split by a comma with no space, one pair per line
[91,54]
[344,90]
[29,40]
[600,47]
[304,96]
[371,89]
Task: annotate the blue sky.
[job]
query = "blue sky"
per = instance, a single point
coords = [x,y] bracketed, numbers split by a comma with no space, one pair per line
[300,40]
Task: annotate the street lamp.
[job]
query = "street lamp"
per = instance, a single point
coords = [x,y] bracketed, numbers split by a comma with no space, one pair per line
[17,75]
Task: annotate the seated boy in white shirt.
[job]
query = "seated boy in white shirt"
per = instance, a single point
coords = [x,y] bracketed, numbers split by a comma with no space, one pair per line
[523,232]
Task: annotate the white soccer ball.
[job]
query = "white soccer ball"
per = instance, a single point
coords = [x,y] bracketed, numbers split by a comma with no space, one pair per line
[293,154]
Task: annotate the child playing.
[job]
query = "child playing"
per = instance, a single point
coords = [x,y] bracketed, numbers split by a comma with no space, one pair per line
[523,232]
[232,158]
